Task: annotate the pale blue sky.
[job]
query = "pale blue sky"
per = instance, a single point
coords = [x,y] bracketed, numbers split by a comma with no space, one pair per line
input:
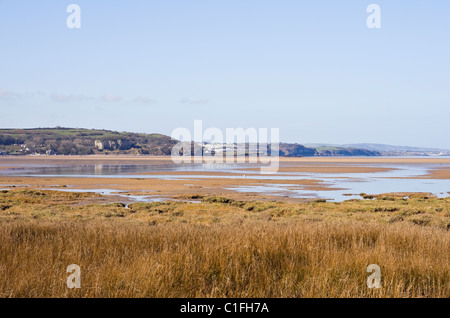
[311,68]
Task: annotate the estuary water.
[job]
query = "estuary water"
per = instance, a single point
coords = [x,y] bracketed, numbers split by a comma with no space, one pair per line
[334,186]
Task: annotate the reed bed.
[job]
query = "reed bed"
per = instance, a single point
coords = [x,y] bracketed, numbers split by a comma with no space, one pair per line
[235,253]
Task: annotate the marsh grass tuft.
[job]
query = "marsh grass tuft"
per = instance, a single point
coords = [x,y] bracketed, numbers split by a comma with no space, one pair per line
[220,248]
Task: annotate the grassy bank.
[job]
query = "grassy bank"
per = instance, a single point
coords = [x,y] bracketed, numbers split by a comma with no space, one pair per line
[222,248]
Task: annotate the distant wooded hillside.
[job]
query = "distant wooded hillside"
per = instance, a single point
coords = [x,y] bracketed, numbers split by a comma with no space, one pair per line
[69,141]
[75,141]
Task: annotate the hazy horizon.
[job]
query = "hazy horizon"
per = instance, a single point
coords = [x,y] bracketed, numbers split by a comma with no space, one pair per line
[313,69]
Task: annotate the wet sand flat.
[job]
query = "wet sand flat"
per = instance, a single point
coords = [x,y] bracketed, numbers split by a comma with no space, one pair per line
[438,174]
[5,160]
[184,182]
[327,169]
[159,187]
[367,160]
[182,186]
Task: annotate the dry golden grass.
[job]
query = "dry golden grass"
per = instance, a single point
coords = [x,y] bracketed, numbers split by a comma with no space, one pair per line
[222,248]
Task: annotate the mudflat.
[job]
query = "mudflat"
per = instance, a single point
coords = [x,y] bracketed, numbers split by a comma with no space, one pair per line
[185,182]
[168,159]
